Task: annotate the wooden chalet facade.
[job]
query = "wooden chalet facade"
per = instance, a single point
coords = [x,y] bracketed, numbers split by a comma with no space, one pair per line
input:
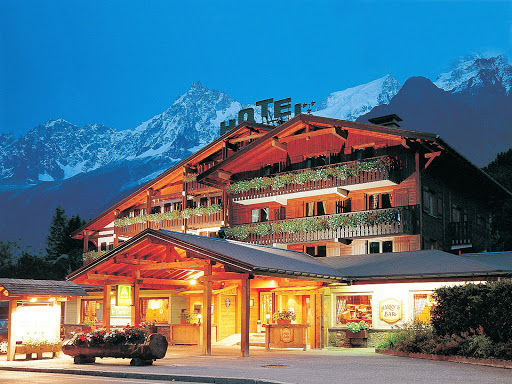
[325,187]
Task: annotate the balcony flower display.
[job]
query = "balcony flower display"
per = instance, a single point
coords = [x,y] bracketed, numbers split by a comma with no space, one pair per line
[171,215]
[301,177]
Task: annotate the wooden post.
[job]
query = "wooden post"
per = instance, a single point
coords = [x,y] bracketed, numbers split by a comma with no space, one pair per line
[224,207]
[11,342]
[267,337]
[318,321]
[86,241]
[207,311]
[136,304]
[106,307]
[149,204]
[116,229]
[246,308]
[238,314]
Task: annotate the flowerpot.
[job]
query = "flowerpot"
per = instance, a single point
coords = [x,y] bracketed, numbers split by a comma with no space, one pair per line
[283,321]
[183,321]
[357,335]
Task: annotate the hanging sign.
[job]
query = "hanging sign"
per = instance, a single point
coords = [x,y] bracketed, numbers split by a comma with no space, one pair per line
[390,310]
[124,295]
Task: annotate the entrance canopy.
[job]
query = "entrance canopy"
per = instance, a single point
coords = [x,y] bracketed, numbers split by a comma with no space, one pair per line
[162,259]
[22,288]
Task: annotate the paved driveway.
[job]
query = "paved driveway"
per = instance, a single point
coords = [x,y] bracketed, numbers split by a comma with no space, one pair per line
[294,366]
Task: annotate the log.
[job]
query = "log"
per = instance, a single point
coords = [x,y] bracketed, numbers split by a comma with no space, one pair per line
[153,348]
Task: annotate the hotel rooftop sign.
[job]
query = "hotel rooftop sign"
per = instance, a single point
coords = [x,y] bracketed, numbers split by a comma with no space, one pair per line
[282,111]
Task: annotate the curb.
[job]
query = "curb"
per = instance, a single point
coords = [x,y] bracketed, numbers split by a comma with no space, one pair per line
[452,358]
[146,376]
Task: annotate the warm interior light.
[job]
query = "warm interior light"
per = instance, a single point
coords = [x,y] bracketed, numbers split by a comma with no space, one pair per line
[111,292]
[51,299]
[267,316]
[33,300]
[193,282]
[199,316]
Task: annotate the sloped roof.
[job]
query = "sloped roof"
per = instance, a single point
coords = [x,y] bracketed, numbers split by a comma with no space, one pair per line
[412,264]
[500,260]
[262,258]
[41,287]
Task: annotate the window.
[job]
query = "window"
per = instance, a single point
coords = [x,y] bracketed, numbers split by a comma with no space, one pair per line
[343,206]
[155,309]
[380,246]
[203,202]
[258,215]
[422,304]
[317,208]
[177,206]
[432,203]
[156,209]
[167,207]
[317,250]
[91,309]
[353,308]
[378,201]
[458,214]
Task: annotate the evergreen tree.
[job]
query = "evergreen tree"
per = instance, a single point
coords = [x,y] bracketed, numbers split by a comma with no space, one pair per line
[56,239]
[501,170]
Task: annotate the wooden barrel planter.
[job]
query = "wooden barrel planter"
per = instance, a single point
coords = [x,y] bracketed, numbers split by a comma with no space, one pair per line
[154,347]
[357,339]
[28,350]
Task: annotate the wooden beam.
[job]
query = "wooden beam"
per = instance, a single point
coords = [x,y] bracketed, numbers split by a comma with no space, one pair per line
[11,342]
[248,137]
[106,307]
[224,175]
[431,156]
[246,308]
[151,280]
[225,276]
[196,264]
[207,312]
[364,145]
[133,261]
[341,133]
[405,143]
[276,144]
[136,304]
[103,277]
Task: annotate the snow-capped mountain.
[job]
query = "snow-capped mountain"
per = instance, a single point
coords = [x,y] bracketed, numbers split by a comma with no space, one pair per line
[475,72]
[59,150]
[351,103]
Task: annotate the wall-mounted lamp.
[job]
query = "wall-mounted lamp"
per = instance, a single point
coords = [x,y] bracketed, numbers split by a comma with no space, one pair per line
[267,316]
[193,282]
[199,316]
[33,300]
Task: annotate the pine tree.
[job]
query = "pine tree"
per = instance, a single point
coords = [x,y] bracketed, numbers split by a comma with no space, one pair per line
[56,239]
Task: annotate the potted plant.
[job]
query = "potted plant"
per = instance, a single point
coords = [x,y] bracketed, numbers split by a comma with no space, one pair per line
[188,317]
[90,323]
[357,333]
[284,317]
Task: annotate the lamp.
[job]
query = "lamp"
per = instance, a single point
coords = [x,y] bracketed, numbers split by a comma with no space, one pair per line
[193,282]
[267,316]
[199,316]
[33,300]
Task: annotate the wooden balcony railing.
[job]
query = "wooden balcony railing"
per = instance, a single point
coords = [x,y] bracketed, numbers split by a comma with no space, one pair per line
[390,170]
[90,256]
[205,221]
[391,221]
[468,233]
[130,230]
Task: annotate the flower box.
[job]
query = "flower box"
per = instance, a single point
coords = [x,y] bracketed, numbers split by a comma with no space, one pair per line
[284,321]
[357,335]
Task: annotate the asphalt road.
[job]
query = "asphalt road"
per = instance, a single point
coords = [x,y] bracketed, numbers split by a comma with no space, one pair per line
[9,377]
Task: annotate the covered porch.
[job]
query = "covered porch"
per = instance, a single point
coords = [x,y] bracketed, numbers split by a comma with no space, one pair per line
[231,287]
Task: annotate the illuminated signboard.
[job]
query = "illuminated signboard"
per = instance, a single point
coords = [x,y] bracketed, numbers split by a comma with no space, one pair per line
[390,310]
[124,295]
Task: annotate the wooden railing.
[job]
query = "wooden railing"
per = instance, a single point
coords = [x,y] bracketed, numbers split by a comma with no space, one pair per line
[467,233]
[393,172]
[90,256]
[205,221]
[130,230]
[403,224]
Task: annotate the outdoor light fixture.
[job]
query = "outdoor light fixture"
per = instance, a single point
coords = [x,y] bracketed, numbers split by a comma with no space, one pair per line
[193,282]
[51,299]
[33,300]
[267,316]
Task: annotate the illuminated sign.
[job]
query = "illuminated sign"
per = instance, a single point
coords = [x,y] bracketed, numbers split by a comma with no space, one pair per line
[390,310]
[124,295]
[40,322]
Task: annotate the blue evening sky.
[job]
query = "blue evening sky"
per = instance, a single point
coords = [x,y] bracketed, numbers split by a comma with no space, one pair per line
[121,62]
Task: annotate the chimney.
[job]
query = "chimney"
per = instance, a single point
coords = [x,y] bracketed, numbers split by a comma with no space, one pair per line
[387,121]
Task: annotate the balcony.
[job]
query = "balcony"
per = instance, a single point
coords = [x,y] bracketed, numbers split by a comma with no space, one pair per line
[466,235]
[89,257]
[132,229]
[381,222]
[335,178]
[206,221]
